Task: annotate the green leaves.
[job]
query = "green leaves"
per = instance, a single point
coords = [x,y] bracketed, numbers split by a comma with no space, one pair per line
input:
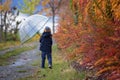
[29,6]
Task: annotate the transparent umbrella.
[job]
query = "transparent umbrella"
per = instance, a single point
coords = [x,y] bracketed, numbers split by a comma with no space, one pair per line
[31,25]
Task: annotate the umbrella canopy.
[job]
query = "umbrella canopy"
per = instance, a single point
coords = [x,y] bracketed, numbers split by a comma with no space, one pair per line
[31,25]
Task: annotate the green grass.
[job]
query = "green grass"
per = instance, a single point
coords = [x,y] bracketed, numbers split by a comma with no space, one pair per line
[4,59]
[61,70]
[36,63]
[22,71]
[8,44]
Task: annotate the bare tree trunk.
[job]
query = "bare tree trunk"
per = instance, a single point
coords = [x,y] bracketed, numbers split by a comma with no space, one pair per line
[1,29]
[1,34]
[5,32]
[53,20]
[1,25]
[54,9]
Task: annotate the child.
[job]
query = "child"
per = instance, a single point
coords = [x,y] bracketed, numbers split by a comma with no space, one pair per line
[46,47]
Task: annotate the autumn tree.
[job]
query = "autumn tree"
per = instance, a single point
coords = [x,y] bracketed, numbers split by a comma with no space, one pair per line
[5,8]
[29,6]
[8,17]
[107,38]
[51,7]
[94,41]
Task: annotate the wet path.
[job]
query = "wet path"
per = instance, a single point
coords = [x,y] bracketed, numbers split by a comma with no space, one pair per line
[22,67]
[16,47]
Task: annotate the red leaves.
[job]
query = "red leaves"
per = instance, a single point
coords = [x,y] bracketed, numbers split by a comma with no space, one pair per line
[83,3]
[96,45]
[110,51]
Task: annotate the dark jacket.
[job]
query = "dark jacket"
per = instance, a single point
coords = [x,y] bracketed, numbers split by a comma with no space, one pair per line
[46,42]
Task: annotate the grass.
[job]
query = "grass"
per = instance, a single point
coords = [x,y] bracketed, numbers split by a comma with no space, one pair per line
[35,63]
[61,70]
[8,44]
[4,59]
[22,71]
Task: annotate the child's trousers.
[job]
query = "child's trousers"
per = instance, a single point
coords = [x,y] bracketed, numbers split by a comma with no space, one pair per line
[49,58]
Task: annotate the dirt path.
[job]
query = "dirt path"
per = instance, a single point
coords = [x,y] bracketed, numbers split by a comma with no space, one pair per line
[16,47]
[22,67]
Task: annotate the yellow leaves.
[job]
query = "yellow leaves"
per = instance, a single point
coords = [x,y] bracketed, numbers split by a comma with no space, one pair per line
[1,7]
[35,2]
[76,2]
[29,6]
[104,9]
[83,32]
[106,69]
[6,5]
[116,8]
[65,30]
[115,38]
[117,13]
[75,5]
[114,4]
[98,62]
[45,2]
[45,10]
[99,44]
[112,62]
[106,61]
[106,64]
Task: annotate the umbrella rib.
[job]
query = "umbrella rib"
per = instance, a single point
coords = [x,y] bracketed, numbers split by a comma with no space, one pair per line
[44,24]
[33,28]
[27,32]
[25,36]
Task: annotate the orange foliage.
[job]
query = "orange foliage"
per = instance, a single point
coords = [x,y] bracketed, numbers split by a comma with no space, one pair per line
[5,6]
[95,40]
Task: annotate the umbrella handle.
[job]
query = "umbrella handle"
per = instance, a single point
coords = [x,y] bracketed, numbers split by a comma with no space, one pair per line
[38,33]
